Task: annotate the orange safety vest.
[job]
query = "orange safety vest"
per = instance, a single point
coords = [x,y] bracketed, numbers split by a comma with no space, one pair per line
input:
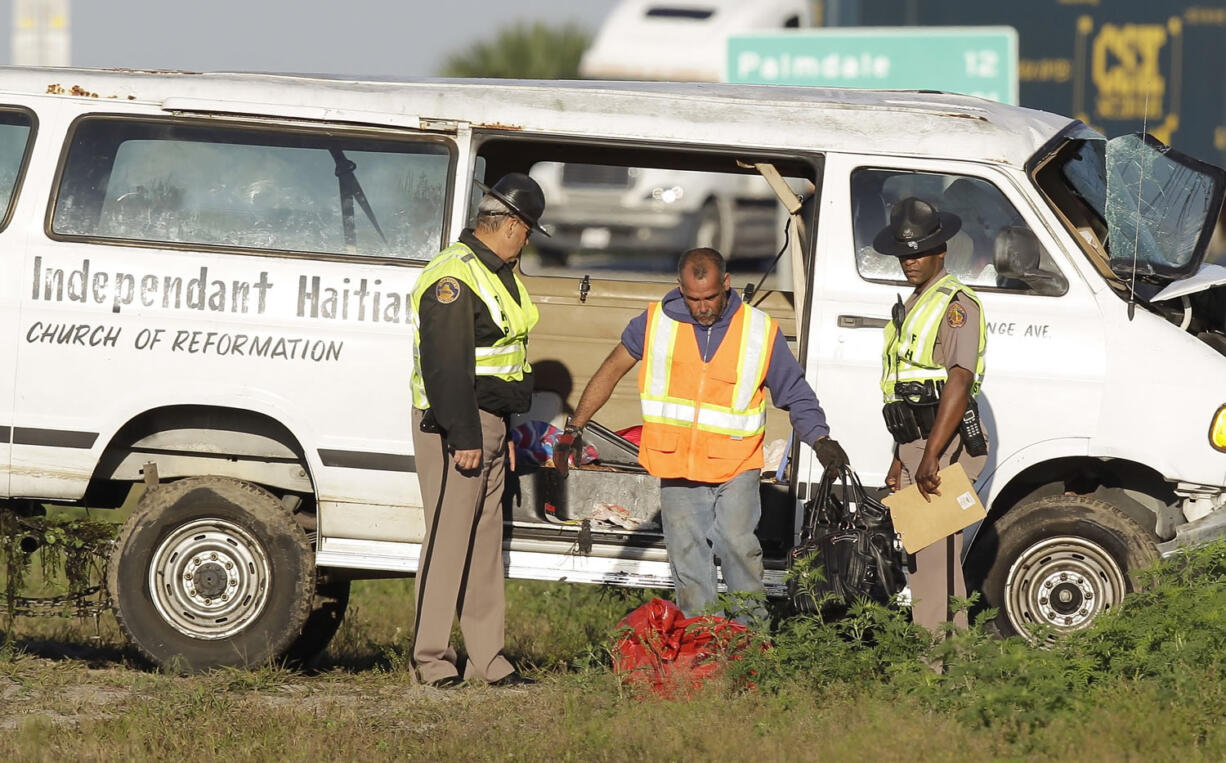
[704,421]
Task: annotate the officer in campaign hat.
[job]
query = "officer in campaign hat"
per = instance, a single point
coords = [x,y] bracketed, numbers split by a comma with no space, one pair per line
[932,368]
[471,316]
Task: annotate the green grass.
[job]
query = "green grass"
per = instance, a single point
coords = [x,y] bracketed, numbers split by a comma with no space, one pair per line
[1146,683]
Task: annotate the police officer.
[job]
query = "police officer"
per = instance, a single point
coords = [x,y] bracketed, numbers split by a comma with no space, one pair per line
[472,316]
[708,359]
[932,369]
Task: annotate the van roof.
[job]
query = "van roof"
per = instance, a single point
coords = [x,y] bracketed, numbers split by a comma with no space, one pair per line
[917,123]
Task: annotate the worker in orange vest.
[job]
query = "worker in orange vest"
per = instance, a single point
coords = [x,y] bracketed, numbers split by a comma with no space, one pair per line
[707,360]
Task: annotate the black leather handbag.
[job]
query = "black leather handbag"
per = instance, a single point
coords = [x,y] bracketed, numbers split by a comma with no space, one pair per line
[848,547]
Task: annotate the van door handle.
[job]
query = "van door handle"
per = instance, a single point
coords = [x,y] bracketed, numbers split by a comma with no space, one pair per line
[861,322]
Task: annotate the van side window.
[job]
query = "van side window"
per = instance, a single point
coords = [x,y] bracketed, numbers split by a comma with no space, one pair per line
[203,185]
[994,249]
[15,130]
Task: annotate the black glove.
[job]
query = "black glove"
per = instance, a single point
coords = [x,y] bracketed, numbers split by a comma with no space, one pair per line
[570,441]
[830,454]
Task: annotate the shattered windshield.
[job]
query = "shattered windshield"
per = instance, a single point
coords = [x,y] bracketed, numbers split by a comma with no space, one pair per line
[1149,208]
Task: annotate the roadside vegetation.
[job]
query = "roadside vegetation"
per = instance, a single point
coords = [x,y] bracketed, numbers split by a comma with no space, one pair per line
[522,51]
[1146,682]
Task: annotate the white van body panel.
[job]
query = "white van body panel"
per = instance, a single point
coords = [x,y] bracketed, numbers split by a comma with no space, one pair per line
[1154,365]
[318,412]
[615,567]
[380,354]
[999,472]
[59,474]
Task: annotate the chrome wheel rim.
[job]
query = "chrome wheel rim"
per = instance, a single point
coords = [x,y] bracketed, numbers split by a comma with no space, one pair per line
[209,579]
[1062,583]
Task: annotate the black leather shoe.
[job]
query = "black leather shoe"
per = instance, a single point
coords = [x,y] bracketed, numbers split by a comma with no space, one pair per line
[514,678]
[450,682]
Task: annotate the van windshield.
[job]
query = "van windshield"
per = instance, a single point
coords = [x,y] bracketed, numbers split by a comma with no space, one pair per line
[1144,209]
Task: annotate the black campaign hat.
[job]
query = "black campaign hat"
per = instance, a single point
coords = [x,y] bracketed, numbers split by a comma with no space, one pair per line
[522,196]
[915,228]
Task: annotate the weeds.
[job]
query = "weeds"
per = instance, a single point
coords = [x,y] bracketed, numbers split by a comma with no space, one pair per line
[70,550]
[1171,635]
[1145,682]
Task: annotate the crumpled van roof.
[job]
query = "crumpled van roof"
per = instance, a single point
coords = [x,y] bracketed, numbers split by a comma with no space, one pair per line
[898,123]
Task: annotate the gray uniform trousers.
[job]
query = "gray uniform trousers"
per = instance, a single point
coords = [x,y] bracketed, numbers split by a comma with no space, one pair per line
[938,568]
[461,570]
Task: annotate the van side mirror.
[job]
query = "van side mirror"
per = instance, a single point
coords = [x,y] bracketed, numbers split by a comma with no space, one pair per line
[1017,257]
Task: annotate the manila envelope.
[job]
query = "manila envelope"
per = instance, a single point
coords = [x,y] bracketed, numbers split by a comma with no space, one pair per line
[921,523]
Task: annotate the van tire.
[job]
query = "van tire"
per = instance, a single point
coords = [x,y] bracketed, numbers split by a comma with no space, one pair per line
[327,613]
[211,572]
[1058,561]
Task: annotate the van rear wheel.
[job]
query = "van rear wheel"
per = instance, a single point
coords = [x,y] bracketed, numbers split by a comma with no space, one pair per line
[1058,562]
[211,572]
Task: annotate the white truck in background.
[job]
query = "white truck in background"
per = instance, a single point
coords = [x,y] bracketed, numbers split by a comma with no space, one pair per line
[681,41]
[656,210]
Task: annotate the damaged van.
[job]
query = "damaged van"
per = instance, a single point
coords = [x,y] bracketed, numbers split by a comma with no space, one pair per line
[204,292]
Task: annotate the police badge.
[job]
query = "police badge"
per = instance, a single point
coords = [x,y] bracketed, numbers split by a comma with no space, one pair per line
[956,317]
[447,290]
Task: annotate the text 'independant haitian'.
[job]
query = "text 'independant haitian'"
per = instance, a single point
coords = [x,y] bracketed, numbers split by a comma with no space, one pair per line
[362,301]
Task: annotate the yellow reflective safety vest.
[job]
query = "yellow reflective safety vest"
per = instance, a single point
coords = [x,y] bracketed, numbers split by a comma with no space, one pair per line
[908,352]
[704,420]
[507,358]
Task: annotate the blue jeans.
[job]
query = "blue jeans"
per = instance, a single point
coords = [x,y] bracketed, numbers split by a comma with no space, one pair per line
[702,521]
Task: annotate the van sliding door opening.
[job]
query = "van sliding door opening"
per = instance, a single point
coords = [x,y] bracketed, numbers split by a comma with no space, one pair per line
[619,217]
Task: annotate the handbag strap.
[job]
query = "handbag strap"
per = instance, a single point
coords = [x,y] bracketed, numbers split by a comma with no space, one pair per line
[869,507]
[817,509]
[839,489]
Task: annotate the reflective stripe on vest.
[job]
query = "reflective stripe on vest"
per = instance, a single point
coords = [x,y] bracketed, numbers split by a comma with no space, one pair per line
[908,354]
[507,358]
[718,405]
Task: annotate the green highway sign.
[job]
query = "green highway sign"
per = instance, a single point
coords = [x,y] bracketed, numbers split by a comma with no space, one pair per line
[978,61]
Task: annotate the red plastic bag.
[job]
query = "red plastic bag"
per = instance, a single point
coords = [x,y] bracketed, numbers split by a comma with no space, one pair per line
[633,434]
[662,649]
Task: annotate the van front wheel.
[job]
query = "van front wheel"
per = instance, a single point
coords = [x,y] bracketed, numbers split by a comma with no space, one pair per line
[211,572]
[1058,562]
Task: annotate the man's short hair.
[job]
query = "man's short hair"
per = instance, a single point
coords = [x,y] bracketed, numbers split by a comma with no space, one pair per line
[490,213]
[699,262]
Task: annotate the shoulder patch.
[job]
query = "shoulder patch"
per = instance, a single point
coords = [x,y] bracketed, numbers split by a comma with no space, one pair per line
[956,316]
[447,290]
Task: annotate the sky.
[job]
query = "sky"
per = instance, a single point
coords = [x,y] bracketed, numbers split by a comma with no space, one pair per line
[405,38]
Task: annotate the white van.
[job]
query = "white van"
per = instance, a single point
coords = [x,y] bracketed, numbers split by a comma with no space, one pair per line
[205,286]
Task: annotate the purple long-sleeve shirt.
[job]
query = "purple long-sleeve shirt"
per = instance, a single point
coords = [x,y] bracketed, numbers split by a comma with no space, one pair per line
[784,377]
